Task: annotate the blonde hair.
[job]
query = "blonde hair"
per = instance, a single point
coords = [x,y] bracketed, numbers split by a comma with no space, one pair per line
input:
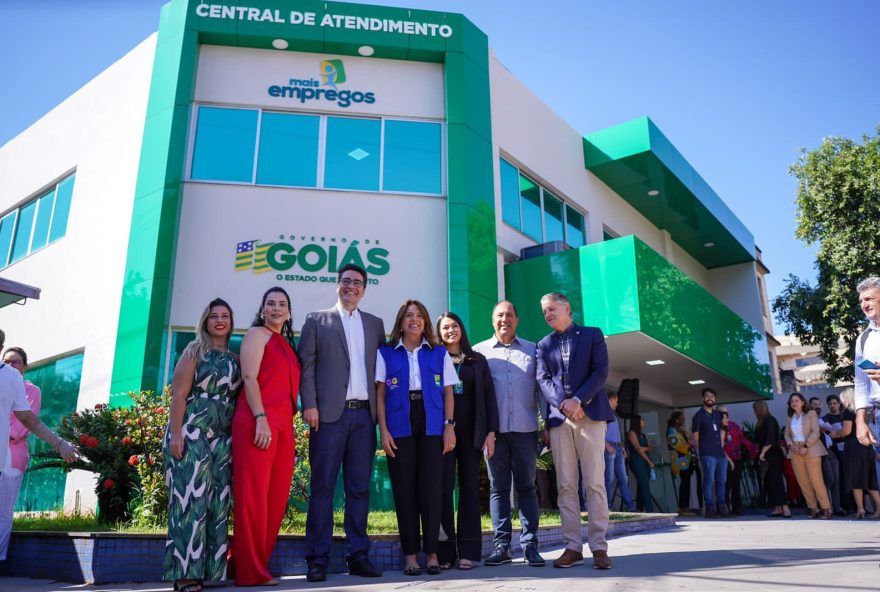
[848,399]
[199,347]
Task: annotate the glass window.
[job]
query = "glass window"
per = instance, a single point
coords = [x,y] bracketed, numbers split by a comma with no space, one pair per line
[59,383]
[553,226]
[44,217]
[531,208]
[351,159]
[63,195]
[7,225]
[22,241]
[574,227]
[510,194]
[412,159]
[288,150]
[225,142]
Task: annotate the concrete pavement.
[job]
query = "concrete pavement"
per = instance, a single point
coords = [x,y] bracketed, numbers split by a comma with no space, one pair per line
[747,554]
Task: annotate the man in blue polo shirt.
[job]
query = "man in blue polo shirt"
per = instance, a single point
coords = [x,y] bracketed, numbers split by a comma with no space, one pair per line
[706,428]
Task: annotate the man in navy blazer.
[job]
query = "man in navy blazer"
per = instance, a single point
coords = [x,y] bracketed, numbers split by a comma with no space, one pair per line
[572,368]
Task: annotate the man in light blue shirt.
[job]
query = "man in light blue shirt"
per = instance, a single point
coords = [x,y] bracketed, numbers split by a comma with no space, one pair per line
[512,365]
[615,460]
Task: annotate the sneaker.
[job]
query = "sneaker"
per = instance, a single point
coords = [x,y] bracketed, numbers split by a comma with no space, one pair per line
[601,560]
[532,557]
[569,558]
[500,556]
[710,513]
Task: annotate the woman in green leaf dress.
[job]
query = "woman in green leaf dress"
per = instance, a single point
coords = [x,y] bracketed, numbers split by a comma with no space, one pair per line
[198,453]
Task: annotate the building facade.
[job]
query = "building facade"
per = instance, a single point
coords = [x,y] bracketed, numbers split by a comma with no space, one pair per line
[239,148]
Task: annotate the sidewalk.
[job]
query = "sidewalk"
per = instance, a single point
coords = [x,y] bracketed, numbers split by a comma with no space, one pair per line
[748,554]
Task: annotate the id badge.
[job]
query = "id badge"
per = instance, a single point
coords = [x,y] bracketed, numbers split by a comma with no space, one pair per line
[458,389]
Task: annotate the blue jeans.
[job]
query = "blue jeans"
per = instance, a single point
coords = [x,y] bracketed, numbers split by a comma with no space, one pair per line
[615,466]
[515,453]
[714,480]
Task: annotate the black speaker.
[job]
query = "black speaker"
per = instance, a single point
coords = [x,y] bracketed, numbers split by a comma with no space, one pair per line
[628,398]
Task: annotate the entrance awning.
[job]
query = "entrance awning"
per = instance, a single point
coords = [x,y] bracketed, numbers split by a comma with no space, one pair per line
[661,327]
[12,292]
[643,167]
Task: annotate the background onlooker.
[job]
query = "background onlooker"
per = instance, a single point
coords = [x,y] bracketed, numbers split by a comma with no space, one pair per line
[770,460]
[861,474]
[734,442]
[684,463]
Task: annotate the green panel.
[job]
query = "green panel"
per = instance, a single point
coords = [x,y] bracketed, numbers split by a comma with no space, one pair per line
[475,311]
[622,286]
[610,295]
[146,295]
[469,163]
[472,251]
[528,280]
[466,102]
[385,45]
[59,383]
[635,158]
[678,312]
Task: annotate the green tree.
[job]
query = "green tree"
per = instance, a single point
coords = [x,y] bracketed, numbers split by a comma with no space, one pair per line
[838,209]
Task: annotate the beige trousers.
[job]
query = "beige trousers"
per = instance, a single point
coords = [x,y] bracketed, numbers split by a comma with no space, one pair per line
[583,441]
[808,470]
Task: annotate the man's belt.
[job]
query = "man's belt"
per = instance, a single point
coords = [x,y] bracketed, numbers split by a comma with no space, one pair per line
[357,404]
[415,395]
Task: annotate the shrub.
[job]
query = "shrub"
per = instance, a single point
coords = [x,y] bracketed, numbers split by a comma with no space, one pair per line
[108,440]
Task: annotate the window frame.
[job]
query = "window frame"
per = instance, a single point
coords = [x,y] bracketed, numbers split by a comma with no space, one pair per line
[322,148]
[542,187]
[36,198]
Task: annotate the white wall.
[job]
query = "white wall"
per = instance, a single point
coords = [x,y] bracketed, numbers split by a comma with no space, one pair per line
[97,131]
[243,76]
[412,229]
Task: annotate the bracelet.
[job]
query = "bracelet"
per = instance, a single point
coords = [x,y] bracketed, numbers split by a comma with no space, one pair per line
[259,415]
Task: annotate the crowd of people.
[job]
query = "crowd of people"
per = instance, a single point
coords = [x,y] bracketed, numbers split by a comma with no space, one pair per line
[441,405]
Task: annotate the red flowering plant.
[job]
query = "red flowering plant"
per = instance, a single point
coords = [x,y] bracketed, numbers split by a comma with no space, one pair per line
[108,439]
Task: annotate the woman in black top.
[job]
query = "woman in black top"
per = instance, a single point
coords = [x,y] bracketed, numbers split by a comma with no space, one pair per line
[476,421]
[860,472]
[771,456]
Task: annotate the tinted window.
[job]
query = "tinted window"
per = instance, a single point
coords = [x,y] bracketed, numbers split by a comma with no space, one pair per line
[225,142]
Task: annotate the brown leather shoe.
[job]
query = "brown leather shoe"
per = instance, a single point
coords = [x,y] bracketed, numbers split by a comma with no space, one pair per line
[569,558]
[601,560]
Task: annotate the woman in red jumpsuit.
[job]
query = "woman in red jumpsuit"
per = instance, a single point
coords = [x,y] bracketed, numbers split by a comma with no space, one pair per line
[262,438]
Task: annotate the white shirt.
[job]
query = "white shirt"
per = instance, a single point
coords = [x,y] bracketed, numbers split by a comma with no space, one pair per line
[450,376]
[353,325]
[867,392]
[797,428]
[12,398]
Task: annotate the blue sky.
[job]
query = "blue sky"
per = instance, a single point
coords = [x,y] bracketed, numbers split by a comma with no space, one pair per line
[738,87]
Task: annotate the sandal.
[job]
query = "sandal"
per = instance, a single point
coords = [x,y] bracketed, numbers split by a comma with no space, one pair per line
[446,565]
[465,564]
[432,569]
[413,570]
[193,586]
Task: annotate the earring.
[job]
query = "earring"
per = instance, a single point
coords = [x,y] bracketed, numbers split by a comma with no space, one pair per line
[262,316]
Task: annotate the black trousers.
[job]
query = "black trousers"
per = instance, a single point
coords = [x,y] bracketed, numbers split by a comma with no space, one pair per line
[734,478]
[416,473]
[774,482]
[684,488]
[465,541]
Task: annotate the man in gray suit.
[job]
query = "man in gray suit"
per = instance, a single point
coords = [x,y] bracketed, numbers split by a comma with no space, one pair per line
[338,349]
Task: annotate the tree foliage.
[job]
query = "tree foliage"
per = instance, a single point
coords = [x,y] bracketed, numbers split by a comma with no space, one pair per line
[838,208]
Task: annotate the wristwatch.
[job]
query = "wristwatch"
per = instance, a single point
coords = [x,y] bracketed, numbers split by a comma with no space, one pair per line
[449,422]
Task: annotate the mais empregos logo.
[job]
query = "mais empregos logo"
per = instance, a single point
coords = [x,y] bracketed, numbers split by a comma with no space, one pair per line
[332,73]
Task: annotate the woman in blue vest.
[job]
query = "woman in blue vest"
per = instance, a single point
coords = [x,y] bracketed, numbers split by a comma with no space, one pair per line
[414,395]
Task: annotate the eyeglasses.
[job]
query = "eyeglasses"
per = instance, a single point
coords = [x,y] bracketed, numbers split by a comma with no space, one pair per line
[350,282]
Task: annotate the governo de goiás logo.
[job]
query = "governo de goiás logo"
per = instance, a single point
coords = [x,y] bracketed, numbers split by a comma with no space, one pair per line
[332,74]
[302,258]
